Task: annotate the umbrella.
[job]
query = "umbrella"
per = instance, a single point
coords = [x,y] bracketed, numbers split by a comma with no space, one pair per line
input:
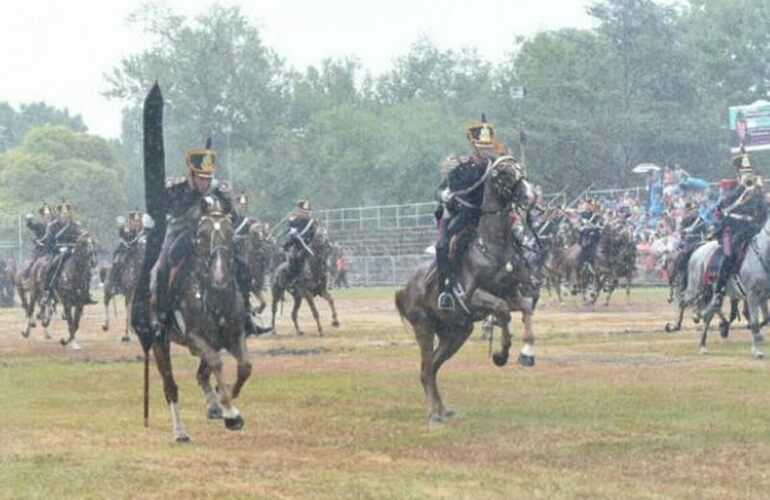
[644,168]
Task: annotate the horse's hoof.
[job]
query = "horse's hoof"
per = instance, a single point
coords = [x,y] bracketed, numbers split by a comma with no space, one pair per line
[105,328]
[234,424]
[703,350]
[336,324]
[182,438]
[125,338]
[759,355]
[33,324]
[75,346]
[447,414]
[214,413]
[759,337]
[526,360]
[669,299]
[724,331]
[500,359]
[300,333]
[47,336]
[25,334]
[63,341]
[435,422]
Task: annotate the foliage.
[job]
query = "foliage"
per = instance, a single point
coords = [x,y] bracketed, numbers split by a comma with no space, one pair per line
[14,125]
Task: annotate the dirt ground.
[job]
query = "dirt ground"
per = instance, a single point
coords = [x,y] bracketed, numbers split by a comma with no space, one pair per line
[613,407]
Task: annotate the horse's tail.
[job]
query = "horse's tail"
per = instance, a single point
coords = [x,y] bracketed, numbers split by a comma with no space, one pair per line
[400,303]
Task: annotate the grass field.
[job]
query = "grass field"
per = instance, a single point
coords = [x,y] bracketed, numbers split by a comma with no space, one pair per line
[614,408]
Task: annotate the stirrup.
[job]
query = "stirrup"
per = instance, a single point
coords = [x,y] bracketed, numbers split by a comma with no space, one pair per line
[446,302]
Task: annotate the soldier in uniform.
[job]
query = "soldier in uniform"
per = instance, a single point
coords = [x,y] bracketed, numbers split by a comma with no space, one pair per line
[691,234]
[39,230]
[61,236]
[302,229]
[741,214]
[589,233]
[185,199]
[460,196]
[129,233]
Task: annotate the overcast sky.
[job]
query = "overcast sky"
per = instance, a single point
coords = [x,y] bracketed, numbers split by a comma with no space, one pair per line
[58,50]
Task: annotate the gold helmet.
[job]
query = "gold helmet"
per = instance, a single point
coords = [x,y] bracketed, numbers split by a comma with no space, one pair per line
[45,210]
[481,136]
[303,204]
[742,163]
[202,161]
[242,199]
[64,208]
[136,215]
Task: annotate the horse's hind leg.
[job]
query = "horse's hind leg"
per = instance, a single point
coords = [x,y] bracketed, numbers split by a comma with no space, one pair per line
[162,353]
[294,310]
[107,298]
[724,324]
[426,340]
[706,326]
[314,311]
[328,297]
[213,411]
[527,354]
[757,339]
[448,345]
[129,308]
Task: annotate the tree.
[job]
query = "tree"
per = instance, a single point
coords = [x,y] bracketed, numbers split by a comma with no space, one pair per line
[14,125]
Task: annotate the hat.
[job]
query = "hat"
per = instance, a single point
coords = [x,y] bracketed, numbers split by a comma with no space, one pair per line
[303,204]
[242,199]
[135,215]
[481,135]
[202,161]
[45,210]
[742,163]
[64,208]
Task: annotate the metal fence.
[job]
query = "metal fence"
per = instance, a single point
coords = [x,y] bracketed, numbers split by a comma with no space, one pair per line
[12,238]
[379,217]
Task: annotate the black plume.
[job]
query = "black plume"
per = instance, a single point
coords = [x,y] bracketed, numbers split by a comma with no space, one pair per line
[208,142]
[483,118]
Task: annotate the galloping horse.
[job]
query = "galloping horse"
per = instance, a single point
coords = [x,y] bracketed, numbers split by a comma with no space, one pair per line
[313,281]
[209,318]
[29,286]
[615,260]
[752,284]
[125,283]
[72,287]
[493,275]
[257,251]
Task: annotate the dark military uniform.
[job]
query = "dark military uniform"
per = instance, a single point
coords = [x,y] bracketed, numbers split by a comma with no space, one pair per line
[302,229]
[61,237]
[460,197]
[589,234]
[184,207]
[129,237]
[691,234]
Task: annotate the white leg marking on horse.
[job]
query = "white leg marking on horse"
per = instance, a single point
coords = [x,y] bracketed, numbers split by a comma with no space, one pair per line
[75,345]
[180,321]
[527,350]
[231,412]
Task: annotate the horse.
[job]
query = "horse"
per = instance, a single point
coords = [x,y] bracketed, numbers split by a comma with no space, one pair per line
[7,273]
[615,260]
[71,288]
[752,283]
[29,286]
[256,251]
[313,281]
[124,283]
[210,317]
[492,276]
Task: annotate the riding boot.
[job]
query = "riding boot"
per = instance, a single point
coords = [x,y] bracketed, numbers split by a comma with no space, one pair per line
[446,301]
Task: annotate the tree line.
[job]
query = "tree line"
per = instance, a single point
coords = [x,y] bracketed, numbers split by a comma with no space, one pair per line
[649,82]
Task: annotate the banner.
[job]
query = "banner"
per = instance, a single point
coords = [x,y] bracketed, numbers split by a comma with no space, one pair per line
[750,126]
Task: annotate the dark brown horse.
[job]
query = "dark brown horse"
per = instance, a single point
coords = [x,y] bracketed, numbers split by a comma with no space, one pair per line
[493,276]
[210,317]
[313,281]
[257,250]
[123,281]
[29,287]
[71,289]
[615,259]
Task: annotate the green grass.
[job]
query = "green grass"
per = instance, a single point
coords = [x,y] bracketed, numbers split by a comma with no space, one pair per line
[605,413]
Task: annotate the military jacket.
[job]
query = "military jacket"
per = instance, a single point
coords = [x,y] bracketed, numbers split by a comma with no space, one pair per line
[304,223]
[184,205]
[62,234]
[38,229]
[466,172]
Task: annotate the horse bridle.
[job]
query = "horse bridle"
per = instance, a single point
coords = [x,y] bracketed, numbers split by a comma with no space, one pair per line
[217,231]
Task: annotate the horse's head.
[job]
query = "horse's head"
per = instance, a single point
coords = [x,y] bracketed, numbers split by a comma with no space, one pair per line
[213,241]
[509,184]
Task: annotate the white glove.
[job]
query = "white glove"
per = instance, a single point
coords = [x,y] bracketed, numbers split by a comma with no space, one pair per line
[121,220]
[446,195]
[293,231]
[29,216]
[147,221]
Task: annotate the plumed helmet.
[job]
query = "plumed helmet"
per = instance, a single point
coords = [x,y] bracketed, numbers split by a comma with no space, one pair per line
[481,136]
[45,210]
[742,163]
[202,161]
[64,208]
[242,199]
[135,215]
[303,204]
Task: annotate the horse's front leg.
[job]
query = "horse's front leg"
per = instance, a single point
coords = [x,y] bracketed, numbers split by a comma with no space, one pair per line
[162,353]
[294,310]
[328,297]
[213,411]
[107,298]
[527,354]
[231,414]
[241,353]
[314,311]
[486,301]
[754,307]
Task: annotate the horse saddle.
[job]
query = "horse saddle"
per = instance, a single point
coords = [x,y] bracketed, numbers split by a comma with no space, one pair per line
[715,263]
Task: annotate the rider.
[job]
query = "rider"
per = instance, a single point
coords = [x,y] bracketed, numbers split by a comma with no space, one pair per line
[302,229]
[589,232]
[460,196]
[39,230]
[691,234]
[184,205]
[61,236]
[129,233]
[742,213]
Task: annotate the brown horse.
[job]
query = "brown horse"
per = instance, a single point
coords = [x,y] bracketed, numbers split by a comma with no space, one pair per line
[313,281]
[561,264]
[615,260]
[256,250]
[493,275]
[29,286]
[124,282]
[71,289]
[210,317]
